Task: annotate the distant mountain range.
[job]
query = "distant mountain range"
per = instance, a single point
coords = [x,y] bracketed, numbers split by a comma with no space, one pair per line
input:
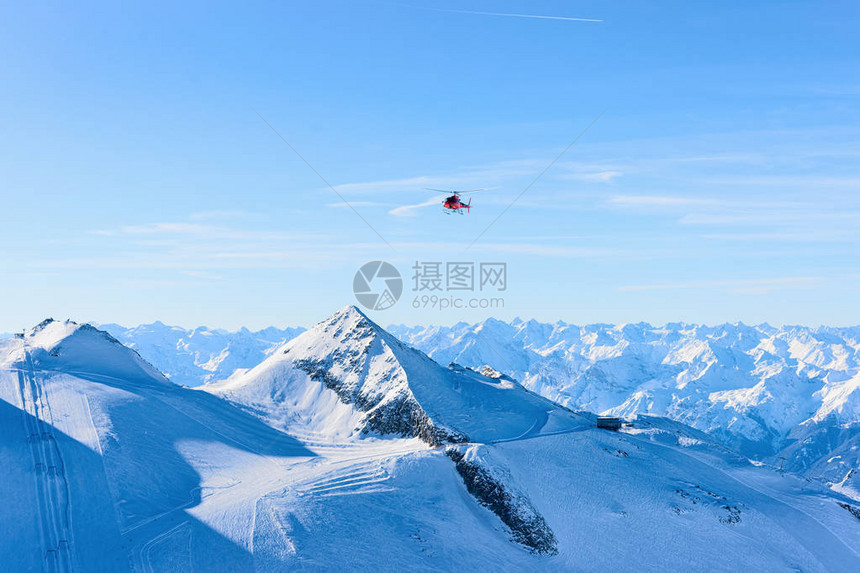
[200,355]
[789,396]
[347,449]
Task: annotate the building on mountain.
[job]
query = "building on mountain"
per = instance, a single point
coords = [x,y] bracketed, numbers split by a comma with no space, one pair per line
[609,423]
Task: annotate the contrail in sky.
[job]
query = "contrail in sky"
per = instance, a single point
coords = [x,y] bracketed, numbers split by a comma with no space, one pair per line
[502,14]
[536,16]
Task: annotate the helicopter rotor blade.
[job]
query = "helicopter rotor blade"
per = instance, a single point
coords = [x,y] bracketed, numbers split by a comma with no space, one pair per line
[454,191]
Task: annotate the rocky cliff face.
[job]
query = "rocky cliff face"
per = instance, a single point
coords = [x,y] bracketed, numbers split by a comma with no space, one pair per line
[398,414]
[493,490]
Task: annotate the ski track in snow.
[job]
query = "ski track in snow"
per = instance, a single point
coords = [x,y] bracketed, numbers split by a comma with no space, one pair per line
[326,478]
[344,471]
[50,472]
[143,560]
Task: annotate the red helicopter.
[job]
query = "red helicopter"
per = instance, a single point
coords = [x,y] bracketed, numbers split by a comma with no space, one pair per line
[453,203]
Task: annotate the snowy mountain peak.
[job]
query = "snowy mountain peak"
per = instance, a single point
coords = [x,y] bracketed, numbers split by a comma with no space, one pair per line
[345,319]
[66,346]
[50,332]
[349,310]
[346,323]
[389,387]
[347,331]
[49,335]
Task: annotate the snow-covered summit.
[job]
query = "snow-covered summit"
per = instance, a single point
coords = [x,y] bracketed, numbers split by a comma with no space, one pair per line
[396,389]
[66,346]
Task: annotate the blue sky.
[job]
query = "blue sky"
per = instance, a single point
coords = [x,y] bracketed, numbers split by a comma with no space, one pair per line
[721,183]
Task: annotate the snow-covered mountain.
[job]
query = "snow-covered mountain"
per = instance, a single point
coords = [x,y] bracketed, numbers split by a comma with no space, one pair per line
[346,449]
[391,387]
[789,396]
[195,357]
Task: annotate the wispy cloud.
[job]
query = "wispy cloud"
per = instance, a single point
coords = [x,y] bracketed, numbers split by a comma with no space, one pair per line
[802,235]
[168,228]
[658,201]
[748,286]
[411,210]
[202,275]
[591,174]
[391,185]
[204,260]
[469,176]
[719,158]
[173,232]
[804,217]
[600,176]
[341,204]
[227,215]
[809,182]
[552,250]
[763,219]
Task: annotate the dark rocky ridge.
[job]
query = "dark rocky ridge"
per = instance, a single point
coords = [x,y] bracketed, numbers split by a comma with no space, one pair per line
[527,526]
[855,511]
[402,416]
